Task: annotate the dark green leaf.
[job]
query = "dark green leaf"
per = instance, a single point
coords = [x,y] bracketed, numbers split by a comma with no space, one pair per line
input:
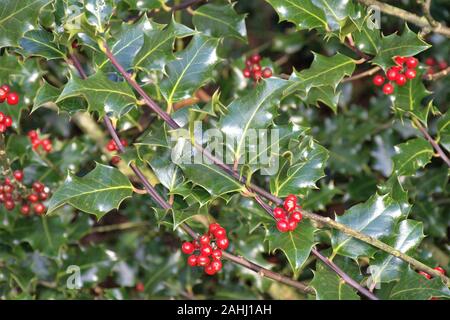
[411,155]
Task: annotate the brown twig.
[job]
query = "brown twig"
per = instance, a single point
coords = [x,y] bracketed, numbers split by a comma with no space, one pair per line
[360,75]
[433,142]
[438,75]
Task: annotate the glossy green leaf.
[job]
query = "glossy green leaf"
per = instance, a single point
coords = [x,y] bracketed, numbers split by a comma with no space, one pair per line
[376,217]
[323,94]
[98,13]
[413,286]
[302,168]
[191,69]
[386,267]
[16,17]
[302,13]
[220,21]
[41,43]
[443,126]
[406,45]
[102,95]
[411,156]
[157,49]
[329,286]
[48,95]
[296,245]
[98,192]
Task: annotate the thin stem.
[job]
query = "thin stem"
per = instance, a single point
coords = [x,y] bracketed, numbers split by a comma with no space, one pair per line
[184,5]
[408,16]
[433,142]
[426,5]
[364,74]
[260,191]
[438,75]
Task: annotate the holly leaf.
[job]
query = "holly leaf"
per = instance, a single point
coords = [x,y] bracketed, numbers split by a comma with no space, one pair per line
[48,95]
[102,95]
[41,43]
[443,128]
[220,21]
[413,286]
[367,40]
[386,267]
[145,4]
[302,13]
[167,172]
[323,94]
[296,245]
[336,12]
[191,69]
[410,156]
[406,45]
[98,13]
[408,99]
[300,170]
[250,112]
[16,17]
[98,192]
[324,71]
[375,218]
[329,286]
[157,49]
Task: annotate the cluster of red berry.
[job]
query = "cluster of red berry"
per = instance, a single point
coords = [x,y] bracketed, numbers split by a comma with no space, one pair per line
[209,249]
[13,191]
[289,217]
[46,144]
[428,276]
[112,146]
[5,122]
[12,98]
[434,66]
[254,70]
[398,74]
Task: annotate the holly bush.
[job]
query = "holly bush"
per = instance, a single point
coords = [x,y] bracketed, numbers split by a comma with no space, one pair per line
[295,149]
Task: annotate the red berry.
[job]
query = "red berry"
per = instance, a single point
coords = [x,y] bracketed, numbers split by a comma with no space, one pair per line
[3,128]
[8,121]
[292,224]
[441,270]
[430,62]
[7,181]
[397,68]
[246,72]
[290,203]
[399,60]
[187,247]
[33,198]
[43,196]
[209,270]
[279,213]
[443,65]
[248,63]
[410,73]
[223,243]
[36,143]
[115,160]
[9,205]
[3,95]
[47,148]
[220,233]
[2,198]
[18,175]
[213,227]
[267,73]
[388,88]
[217,265]
[12,98]
[25,210]
[206,250]
[297,216]
[217,254]
[32,134]
[283,225]
[192,260]
[38,186]
[202,261]
[378,80]
[205,240]
[46,142]
[401,79]
[2,117]
[257,74]
[139,287]
[8,188]
[5,88]
[39,208]
[426,275]
[8,196]
[391,74]
[256,67]
[111,146]
[255,58]
[412,62]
